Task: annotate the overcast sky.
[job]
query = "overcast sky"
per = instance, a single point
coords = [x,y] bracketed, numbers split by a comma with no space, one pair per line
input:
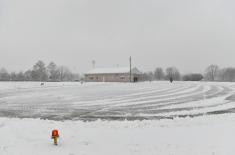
[188,34]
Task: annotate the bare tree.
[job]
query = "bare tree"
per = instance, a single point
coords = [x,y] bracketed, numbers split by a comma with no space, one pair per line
[65,74]
[53,72]
[39,72]
[211,72]
[28,75]
[230,74]
[172,72]
[159,74]
[4,75]
[151,76]
[221,74]
[20,76]
[147,76]
[13,76]
[226,74]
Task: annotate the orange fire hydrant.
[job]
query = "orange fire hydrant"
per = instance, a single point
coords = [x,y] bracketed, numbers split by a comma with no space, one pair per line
[55,136]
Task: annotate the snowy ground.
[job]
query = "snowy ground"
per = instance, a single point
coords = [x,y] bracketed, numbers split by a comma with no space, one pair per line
[115,101]
[203,135]
[182,118]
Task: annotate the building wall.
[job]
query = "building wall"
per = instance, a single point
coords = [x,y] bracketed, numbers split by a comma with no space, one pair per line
[125,77]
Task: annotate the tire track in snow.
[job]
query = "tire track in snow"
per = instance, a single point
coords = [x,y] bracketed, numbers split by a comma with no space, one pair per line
[111,101]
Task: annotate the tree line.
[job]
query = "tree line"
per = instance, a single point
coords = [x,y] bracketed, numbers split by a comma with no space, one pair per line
[160,74]
[215,73]
[54,73]
[211,73]
[40,72]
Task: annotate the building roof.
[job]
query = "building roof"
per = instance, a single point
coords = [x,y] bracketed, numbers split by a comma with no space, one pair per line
[117,70]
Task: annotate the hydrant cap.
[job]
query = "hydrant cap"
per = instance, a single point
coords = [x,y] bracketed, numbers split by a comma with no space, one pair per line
[55,133]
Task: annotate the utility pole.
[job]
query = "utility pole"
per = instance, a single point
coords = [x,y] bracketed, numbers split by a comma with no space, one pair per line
[93,64]
[130,68]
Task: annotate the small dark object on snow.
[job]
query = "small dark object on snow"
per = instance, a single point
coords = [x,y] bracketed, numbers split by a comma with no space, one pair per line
[171,79]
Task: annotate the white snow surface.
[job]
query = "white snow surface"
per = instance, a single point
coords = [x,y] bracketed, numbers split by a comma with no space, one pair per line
[202,116]
[115,101]
[204,135]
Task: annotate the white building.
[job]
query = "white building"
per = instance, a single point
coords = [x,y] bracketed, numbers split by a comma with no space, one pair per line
[113,75]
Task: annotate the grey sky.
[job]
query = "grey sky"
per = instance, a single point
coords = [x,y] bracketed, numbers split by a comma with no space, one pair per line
[188,34]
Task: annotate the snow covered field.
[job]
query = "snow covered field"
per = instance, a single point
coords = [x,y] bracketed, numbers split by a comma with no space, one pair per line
[183,118]
[115,101]
[203,135]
